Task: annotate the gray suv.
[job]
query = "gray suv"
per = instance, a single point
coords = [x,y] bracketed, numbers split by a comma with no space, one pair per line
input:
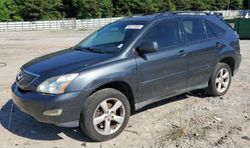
[125,66]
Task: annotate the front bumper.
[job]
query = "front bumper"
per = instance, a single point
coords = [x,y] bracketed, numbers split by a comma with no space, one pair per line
[35,104]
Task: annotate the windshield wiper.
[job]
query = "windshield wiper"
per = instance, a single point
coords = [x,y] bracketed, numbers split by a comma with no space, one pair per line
[82,48]
[91,49]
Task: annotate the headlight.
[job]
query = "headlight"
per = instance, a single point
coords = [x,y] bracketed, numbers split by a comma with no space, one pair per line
[56,85]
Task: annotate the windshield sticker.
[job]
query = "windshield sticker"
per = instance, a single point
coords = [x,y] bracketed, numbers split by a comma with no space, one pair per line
[134,27]
[120,46]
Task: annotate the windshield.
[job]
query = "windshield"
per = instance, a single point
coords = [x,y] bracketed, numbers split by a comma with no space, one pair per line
[112,38]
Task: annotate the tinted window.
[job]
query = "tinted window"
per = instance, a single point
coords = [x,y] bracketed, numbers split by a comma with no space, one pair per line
[210,31]
[194,29]
[112,38]
[165,33]
[218,30]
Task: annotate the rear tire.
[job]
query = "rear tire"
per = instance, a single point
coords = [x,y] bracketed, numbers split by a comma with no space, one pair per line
[105,114]
[220,80]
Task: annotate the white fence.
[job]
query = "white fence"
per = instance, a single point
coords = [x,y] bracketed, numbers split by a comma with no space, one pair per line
[232,13]
[56,25]
[85,23]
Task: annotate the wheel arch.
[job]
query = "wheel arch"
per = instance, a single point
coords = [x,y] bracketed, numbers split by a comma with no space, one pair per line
[121,86]
[230,62]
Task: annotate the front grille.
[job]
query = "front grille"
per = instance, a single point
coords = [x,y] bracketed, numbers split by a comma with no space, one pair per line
[24,78]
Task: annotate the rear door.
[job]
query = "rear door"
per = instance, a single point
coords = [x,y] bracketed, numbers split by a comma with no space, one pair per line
[202,47]
[163,72]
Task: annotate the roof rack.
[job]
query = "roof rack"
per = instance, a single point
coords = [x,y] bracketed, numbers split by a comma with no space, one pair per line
[184,13]
[144,14]
[191,13]
[163,14]
[166,13]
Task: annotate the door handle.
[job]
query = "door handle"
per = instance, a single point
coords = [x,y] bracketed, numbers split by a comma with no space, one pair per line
[218,45]
[182,53]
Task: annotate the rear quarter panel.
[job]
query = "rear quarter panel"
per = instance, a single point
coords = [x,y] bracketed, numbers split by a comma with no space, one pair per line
[229,41]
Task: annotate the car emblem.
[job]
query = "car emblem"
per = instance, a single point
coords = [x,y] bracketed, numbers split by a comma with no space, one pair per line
[19,77]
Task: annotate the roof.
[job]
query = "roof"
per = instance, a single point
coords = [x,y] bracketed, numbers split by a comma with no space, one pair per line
[151,17]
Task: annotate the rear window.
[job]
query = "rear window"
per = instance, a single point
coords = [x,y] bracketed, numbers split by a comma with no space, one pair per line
[210,31]
[194,29]
[218,30]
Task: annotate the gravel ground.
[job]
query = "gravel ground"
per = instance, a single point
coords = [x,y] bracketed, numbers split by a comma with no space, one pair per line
[189,120]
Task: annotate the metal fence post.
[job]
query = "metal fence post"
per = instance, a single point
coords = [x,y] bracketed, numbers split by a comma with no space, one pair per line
[7,26]
[22,26]
[15,25]
[87,23]
[43,25]
[49,25]
[74,23]
[99,22]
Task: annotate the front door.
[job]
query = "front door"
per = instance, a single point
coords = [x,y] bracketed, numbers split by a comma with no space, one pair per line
[164,72]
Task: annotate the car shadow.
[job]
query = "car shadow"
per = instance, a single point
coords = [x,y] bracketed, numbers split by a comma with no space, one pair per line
[24,125]
[21,124]
[197,93]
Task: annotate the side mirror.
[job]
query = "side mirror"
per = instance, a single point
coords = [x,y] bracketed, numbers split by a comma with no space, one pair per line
[148,47]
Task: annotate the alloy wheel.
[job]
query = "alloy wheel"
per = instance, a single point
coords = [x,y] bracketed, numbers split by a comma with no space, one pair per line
[109,116]
[222,80]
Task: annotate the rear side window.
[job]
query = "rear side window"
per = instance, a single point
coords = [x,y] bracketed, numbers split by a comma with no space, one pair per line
[218,30]
[194,29]
[210,31]
[166,33]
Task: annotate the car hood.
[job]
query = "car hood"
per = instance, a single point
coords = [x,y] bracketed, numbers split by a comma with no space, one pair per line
[64,62]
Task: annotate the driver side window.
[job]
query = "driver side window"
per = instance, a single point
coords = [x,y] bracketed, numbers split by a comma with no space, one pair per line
[166,33]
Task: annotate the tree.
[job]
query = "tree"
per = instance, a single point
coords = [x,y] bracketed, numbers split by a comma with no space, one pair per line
[199,5]
[129,7]
[8,10]
[182,5]
[246,4]
[166,5]
[57,9]
[70,9]
[40,9]
[236,4]
[123,7]
[106,8]
[223,4]
[88,8]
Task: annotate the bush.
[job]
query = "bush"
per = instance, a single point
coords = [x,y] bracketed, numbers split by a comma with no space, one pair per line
[16,10]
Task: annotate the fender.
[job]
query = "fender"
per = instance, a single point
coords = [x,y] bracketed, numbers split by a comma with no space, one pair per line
[89,80]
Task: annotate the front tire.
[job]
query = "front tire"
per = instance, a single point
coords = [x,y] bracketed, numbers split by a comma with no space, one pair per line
[220,80]
[105,114]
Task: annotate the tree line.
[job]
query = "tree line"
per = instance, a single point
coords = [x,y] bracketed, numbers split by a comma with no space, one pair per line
[18,10]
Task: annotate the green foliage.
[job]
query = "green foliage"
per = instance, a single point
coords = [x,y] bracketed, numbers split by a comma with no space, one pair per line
[246,4]
[8,9]
[14,10]
[129,7]
[182,5]
[236,4]
[88,8]
[39,9]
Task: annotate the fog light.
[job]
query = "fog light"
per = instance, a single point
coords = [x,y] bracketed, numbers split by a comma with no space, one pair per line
[54,112]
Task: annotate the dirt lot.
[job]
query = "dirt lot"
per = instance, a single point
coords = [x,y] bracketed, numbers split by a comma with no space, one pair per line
[188,120]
